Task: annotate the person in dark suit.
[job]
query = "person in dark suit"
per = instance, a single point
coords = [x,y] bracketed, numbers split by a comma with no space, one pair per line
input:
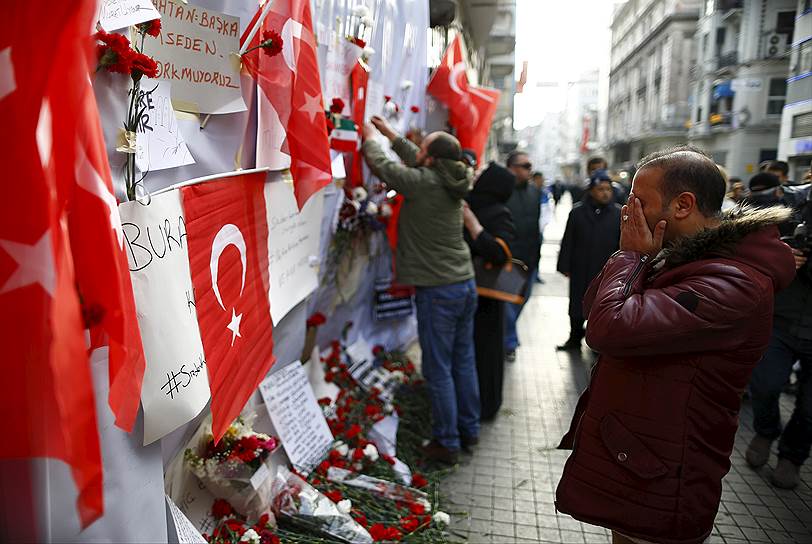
[591,236]
[487,218]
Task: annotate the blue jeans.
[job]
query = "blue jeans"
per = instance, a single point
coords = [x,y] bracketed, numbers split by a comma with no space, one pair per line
[512,312]
[445,324]
[766,384]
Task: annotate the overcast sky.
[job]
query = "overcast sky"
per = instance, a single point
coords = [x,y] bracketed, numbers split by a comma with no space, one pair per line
[561,39]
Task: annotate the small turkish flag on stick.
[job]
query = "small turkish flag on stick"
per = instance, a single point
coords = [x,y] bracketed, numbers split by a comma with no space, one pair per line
[227,233]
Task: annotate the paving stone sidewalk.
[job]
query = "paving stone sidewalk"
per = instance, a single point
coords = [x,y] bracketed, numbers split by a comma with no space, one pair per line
[504,493]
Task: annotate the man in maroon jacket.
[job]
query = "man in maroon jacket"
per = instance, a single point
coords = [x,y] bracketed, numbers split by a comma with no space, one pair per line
[680,316]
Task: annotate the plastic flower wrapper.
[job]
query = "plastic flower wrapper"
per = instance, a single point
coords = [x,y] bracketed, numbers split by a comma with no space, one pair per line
[379,487]
[297,503]
[236,469]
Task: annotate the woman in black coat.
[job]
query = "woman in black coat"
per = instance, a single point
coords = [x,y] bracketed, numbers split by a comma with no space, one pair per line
[486,219]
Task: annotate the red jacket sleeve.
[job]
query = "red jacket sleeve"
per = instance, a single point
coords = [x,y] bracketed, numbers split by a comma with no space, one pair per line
[703,311]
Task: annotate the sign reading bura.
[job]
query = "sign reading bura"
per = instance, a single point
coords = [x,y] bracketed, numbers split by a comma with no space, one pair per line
[197,51]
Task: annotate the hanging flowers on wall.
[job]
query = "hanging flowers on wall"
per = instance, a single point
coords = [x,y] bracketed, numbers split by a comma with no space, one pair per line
[271,44]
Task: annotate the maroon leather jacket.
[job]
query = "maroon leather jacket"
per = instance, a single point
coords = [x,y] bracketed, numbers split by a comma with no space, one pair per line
[678,339]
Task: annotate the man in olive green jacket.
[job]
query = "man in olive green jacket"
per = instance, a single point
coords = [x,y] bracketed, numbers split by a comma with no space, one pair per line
[433,256]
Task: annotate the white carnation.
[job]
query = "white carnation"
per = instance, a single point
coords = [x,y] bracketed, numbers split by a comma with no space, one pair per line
[371,452]
[386,210]
[360,10]
[368,52]
[344,506]
[342,448]
[359,194]
[250,536]
[372,208]
[405,85]
[441,518]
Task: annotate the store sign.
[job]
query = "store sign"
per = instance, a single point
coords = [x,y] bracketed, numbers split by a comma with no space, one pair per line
[745,84]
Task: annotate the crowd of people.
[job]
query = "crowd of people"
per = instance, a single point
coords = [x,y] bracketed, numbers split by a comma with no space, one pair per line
[695,290]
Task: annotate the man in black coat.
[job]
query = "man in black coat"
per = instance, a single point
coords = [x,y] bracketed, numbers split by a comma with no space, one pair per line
[591,236]
[524,208]
[487,218]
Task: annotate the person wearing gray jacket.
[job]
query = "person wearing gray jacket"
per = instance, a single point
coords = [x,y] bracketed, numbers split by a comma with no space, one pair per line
[433,256]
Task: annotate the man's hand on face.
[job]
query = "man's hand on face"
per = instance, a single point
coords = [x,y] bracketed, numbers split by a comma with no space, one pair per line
[800,258]
[384,127]
[635,234]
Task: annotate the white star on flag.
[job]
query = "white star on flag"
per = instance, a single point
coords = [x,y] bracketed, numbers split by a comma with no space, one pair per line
[89,179]
[234,326]
[35,264]
[312,106]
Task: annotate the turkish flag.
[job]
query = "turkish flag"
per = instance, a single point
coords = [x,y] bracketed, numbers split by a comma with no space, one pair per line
[227,233]
[475,137]
[47,407]
[291,125]
[359,79]
[449,85]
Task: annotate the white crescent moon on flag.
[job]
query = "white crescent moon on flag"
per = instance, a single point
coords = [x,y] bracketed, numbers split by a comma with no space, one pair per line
[458,69]
[228,235]
[291,29]
[474,90]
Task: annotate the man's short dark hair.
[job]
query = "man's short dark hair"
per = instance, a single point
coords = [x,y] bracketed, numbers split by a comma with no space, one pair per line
[537,174]
[594,163]
[513,157]
[445,146]
[778,166]
[689,169]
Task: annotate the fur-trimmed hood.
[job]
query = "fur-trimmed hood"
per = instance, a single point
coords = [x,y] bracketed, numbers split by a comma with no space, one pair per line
[763,249]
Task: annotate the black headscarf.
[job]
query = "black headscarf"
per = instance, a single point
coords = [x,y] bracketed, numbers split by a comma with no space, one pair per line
[494,185]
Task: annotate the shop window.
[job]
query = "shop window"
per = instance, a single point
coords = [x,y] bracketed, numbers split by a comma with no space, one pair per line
[777,96]
[802,125]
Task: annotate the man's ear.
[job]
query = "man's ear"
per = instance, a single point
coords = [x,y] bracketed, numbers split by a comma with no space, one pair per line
[685,204]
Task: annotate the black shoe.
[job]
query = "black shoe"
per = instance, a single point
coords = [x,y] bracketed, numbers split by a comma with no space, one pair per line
[510,356]
[467,442]
[787,475]
[570,345]
[437,452]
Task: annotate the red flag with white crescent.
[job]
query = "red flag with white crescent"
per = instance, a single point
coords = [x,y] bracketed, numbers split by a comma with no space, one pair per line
[227,233]
[293,126]
[359,79]
[485,101]
[449,84]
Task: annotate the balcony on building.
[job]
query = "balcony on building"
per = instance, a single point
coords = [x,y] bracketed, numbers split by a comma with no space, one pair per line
[502,38]
[727,60]
[730,8]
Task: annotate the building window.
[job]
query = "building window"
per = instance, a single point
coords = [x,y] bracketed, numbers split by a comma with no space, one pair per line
[709,6]
[802,125]
[804,60]
[777,96]
[785,24]
[699,114]
[767,155]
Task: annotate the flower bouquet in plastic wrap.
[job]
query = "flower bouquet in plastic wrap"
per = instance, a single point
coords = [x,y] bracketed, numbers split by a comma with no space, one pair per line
[237,468]
[300,505]
[379,487]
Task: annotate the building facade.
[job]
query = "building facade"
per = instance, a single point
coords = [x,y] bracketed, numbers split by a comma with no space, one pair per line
[739,80]
[795,141]
[649,83]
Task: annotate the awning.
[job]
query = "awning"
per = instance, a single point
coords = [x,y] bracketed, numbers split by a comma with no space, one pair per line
[723,90]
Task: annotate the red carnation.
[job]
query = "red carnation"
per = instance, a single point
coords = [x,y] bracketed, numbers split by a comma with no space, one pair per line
[271,43]
[389,459]
[393,534]
[324,401]
[334,495]
[360,518]
[415,109]
[115,55]
[410,523]
[378,532]
[372,410]
[378,350]
[387,98]
[417,508]
[353,431]
[142,65]
[317,319]
[418,480]
[246,449]
[357,454]
[337,105]
[221,508]
[151,28]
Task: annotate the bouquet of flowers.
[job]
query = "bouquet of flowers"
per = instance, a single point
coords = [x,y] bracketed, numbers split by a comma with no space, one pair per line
[237,468]
[233,527]
[297,503]
[379,487]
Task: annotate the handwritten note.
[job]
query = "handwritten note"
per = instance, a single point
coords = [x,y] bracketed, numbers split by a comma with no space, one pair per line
[115,14]
[293,244]
[159,143]
[176,384]
[296,416]
[195,51]
[187,533]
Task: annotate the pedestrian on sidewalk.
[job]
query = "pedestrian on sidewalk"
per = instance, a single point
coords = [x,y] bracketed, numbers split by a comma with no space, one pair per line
[791,341]
[546,212]
[591,236]
[679,331]
[524,208]
[487,220]
[433,256]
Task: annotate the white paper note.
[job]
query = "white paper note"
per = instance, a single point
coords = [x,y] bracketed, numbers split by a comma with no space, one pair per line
[176,383]
[296,416]
[115,14]
[195,51]
[337,164]
[187,533]
[159,143]
[293,238]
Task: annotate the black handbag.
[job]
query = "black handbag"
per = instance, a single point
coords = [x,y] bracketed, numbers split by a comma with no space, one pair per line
[507,283]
